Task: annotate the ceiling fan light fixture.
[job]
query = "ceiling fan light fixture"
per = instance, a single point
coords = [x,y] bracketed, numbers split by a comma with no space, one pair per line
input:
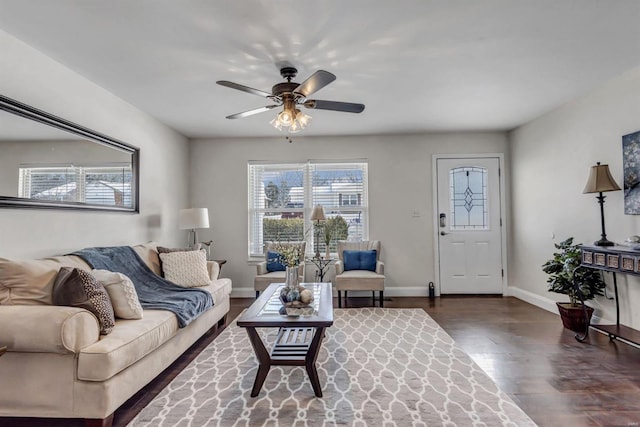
[292,119]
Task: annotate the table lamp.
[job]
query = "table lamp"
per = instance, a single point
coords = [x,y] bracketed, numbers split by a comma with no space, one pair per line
[192,219]
[317,215]
[600,181]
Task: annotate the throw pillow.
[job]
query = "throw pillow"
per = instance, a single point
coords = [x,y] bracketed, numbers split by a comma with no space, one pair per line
[163,250]
[122,293]
[77,288]
[186,269]
[273,262]
[359,260]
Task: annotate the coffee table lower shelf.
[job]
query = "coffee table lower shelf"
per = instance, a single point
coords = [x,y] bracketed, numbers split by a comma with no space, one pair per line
[293,347]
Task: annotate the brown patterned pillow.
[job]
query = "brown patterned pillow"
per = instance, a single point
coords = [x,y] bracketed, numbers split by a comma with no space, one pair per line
[74,287]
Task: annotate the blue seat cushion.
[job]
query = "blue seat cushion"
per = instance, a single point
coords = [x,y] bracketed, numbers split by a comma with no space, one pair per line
[274,263]
[359,260]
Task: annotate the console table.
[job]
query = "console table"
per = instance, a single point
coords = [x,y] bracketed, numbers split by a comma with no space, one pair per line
[615,259]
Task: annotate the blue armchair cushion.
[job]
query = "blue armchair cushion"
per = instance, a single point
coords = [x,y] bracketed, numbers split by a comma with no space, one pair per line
[359,260]
[273,262]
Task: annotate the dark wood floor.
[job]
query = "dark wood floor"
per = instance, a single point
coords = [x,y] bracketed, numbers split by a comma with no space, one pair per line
[552,377]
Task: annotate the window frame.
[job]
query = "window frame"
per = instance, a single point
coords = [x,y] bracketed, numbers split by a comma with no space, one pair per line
[80,174]
[308,168]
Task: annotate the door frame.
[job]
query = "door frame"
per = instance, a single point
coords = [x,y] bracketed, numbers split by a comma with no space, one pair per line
[503,213]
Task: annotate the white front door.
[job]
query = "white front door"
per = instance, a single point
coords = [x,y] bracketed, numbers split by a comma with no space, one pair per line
[469,225]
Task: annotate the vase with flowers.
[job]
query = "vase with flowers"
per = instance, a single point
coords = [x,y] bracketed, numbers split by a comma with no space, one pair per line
[293,296]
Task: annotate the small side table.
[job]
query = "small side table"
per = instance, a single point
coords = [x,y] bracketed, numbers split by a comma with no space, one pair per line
[322,264]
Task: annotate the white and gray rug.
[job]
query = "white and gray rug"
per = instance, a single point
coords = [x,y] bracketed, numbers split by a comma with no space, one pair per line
[377,367]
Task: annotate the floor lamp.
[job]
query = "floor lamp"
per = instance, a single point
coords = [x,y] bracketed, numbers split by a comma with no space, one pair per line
[192,219]
[600,181]
[317,215]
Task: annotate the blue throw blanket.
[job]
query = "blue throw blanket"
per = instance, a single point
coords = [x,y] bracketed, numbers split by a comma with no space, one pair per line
[154,292]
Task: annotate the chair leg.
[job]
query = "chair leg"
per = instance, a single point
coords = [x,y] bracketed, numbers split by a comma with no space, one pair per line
[373,298]
[257,294]
[339,299]
[381,297]
[345,298]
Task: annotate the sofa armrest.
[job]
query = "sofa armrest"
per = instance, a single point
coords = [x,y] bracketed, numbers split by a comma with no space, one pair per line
[339,265]
[380,267]
[262,268]
[47,328]
[214,270]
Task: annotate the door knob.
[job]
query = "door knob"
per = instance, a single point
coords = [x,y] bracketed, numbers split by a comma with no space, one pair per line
[443,233]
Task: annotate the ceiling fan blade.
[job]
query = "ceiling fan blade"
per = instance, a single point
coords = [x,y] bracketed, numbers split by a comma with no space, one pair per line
[348,107]
[251,112]
[243,88]
[315,82]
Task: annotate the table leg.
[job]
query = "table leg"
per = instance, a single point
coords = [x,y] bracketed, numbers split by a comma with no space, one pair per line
[310,361]
[264,360]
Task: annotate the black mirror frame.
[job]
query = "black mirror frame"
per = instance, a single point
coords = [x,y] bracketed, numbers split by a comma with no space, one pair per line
[31,113]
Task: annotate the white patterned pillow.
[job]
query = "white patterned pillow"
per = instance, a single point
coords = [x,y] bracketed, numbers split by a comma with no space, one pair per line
[122,293]
[186,269]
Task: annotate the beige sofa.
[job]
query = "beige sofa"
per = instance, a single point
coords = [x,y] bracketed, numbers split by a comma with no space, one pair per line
[58,366]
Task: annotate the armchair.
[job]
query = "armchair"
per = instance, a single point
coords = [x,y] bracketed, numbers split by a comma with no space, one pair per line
[353,279]
[264,277]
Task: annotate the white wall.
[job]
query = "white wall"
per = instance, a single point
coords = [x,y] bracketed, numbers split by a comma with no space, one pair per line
[35,79]
[399,181]
[550,161]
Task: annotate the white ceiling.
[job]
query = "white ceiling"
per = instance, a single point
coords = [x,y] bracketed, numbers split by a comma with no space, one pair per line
[417,65]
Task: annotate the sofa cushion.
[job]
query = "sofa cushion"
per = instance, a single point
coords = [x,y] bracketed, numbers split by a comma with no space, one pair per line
[30,282]
[359,260]
[74,287]
[149,254]
[129,342]
[186,269]
[122,293]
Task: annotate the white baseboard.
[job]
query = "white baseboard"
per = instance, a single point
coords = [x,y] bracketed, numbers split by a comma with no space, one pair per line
[408,291]
[535,299]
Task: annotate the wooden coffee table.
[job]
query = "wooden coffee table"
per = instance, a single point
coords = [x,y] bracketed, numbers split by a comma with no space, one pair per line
[298,340]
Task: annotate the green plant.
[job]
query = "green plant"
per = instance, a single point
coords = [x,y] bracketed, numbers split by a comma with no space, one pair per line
[562,273]
[334,228]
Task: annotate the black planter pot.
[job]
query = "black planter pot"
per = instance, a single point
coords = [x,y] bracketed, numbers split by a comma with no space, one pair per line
[573,317]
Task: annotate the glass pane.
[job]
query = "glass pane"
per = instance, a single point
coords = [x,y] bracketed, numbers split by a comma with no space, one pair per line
[468,198]
[283,189]
[52,184]
[282,227]
[109,186]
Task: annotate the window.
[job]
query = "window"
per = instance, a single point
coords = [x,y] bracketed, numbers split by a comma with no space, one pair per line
[282,196]
[104,185]
[468,198]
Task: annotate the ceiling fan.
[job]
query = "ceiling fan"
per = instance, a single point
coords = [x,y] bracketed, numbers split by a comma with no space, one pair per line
[290,95]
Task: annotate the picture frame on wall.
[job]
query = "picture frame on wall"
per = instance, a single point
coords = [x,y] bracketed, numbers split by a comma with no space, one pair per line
[631,171]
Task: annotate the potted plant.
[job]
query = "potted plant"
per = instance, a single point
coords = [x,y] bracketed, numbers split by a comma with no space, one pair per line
[565,279]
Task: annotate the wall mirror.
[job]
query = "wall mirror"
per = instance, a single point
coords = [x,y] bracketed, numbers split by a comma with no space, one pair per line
[49,162]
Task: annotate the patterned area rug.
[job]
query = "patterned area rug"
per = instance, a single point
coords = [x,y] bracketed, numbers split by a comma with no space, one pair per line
[377,367]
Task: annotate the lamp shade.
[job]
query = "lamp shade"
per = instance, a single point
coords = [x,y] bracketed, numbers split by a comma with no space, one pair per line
[600,180]
[190,219]
[318,213]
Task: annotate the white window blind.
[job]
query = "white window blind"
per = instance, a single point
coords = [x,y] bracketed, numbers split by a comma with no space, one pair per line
[104,185]
[341,189]
[282,196]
